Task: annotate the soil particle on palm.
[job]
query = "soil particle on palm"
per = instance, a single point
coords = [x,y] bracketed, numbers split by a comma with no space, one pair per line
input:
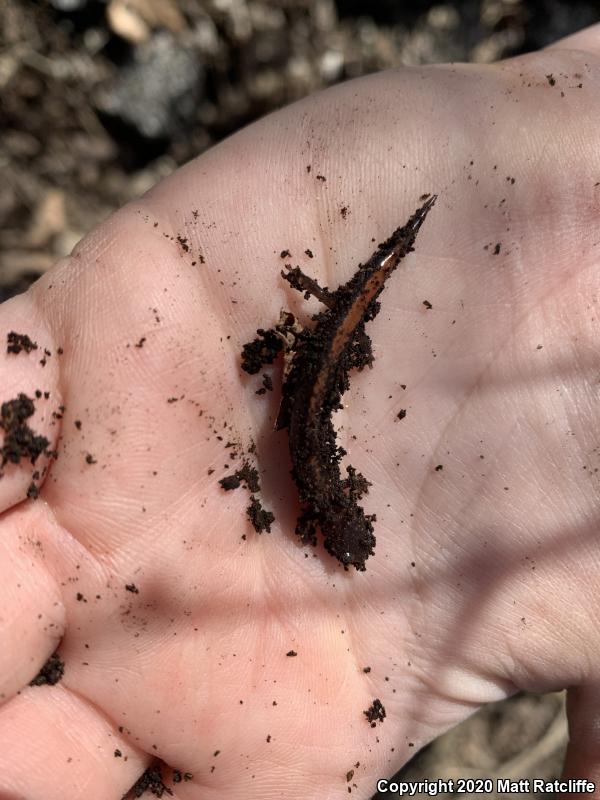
[46,356]
[375,712]
[150,781]
[267,385]
[260,518]
[179,776]
[17,342]
[19,439]
[247,474]
[59,414]
[183,243]
[131,587]
[50,673]
[262,350]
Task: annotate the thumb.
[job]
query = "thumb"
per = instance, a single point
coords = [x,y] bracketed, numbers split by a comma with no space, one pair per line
[583,752]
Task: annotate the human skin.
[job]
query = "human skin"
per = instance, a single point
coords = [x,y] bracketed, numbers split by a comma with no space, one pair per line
[504,593]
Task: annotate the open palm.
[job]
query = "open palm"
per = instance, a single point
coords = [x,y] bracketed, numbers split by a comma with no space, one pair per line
[244,661]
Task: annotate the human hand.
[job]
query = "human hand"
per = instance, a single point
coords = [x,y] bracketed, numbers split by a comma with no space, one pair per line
[486,571]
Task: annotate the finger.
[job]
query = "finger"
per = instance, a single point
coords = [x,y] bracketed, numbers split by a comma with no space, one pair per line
[31,402]
[55,746]
[588,39]
[33,614]
[583,753]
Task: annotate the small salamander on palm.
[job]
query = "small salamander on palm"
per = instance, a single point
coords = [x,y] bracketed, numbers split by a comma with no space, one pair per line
[315,377]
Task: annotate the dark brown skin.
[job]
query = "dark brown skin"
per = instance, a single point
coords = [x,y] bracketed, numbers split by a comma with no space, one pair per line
[316,381]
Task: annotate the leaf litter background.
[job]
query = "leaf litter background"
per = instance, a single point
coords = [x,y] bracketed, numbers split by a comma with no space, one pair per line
[100,99]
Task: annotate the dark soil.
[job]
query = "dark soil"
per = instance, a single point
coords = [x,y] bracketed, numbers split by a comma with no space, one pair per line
[375,713]
[150,781]
[50,673]
[260,518]
[16,342]
[20,441]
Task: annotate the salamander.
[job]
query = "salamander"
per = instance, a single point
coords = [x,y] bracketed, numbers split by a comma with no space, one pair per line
[316,375]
